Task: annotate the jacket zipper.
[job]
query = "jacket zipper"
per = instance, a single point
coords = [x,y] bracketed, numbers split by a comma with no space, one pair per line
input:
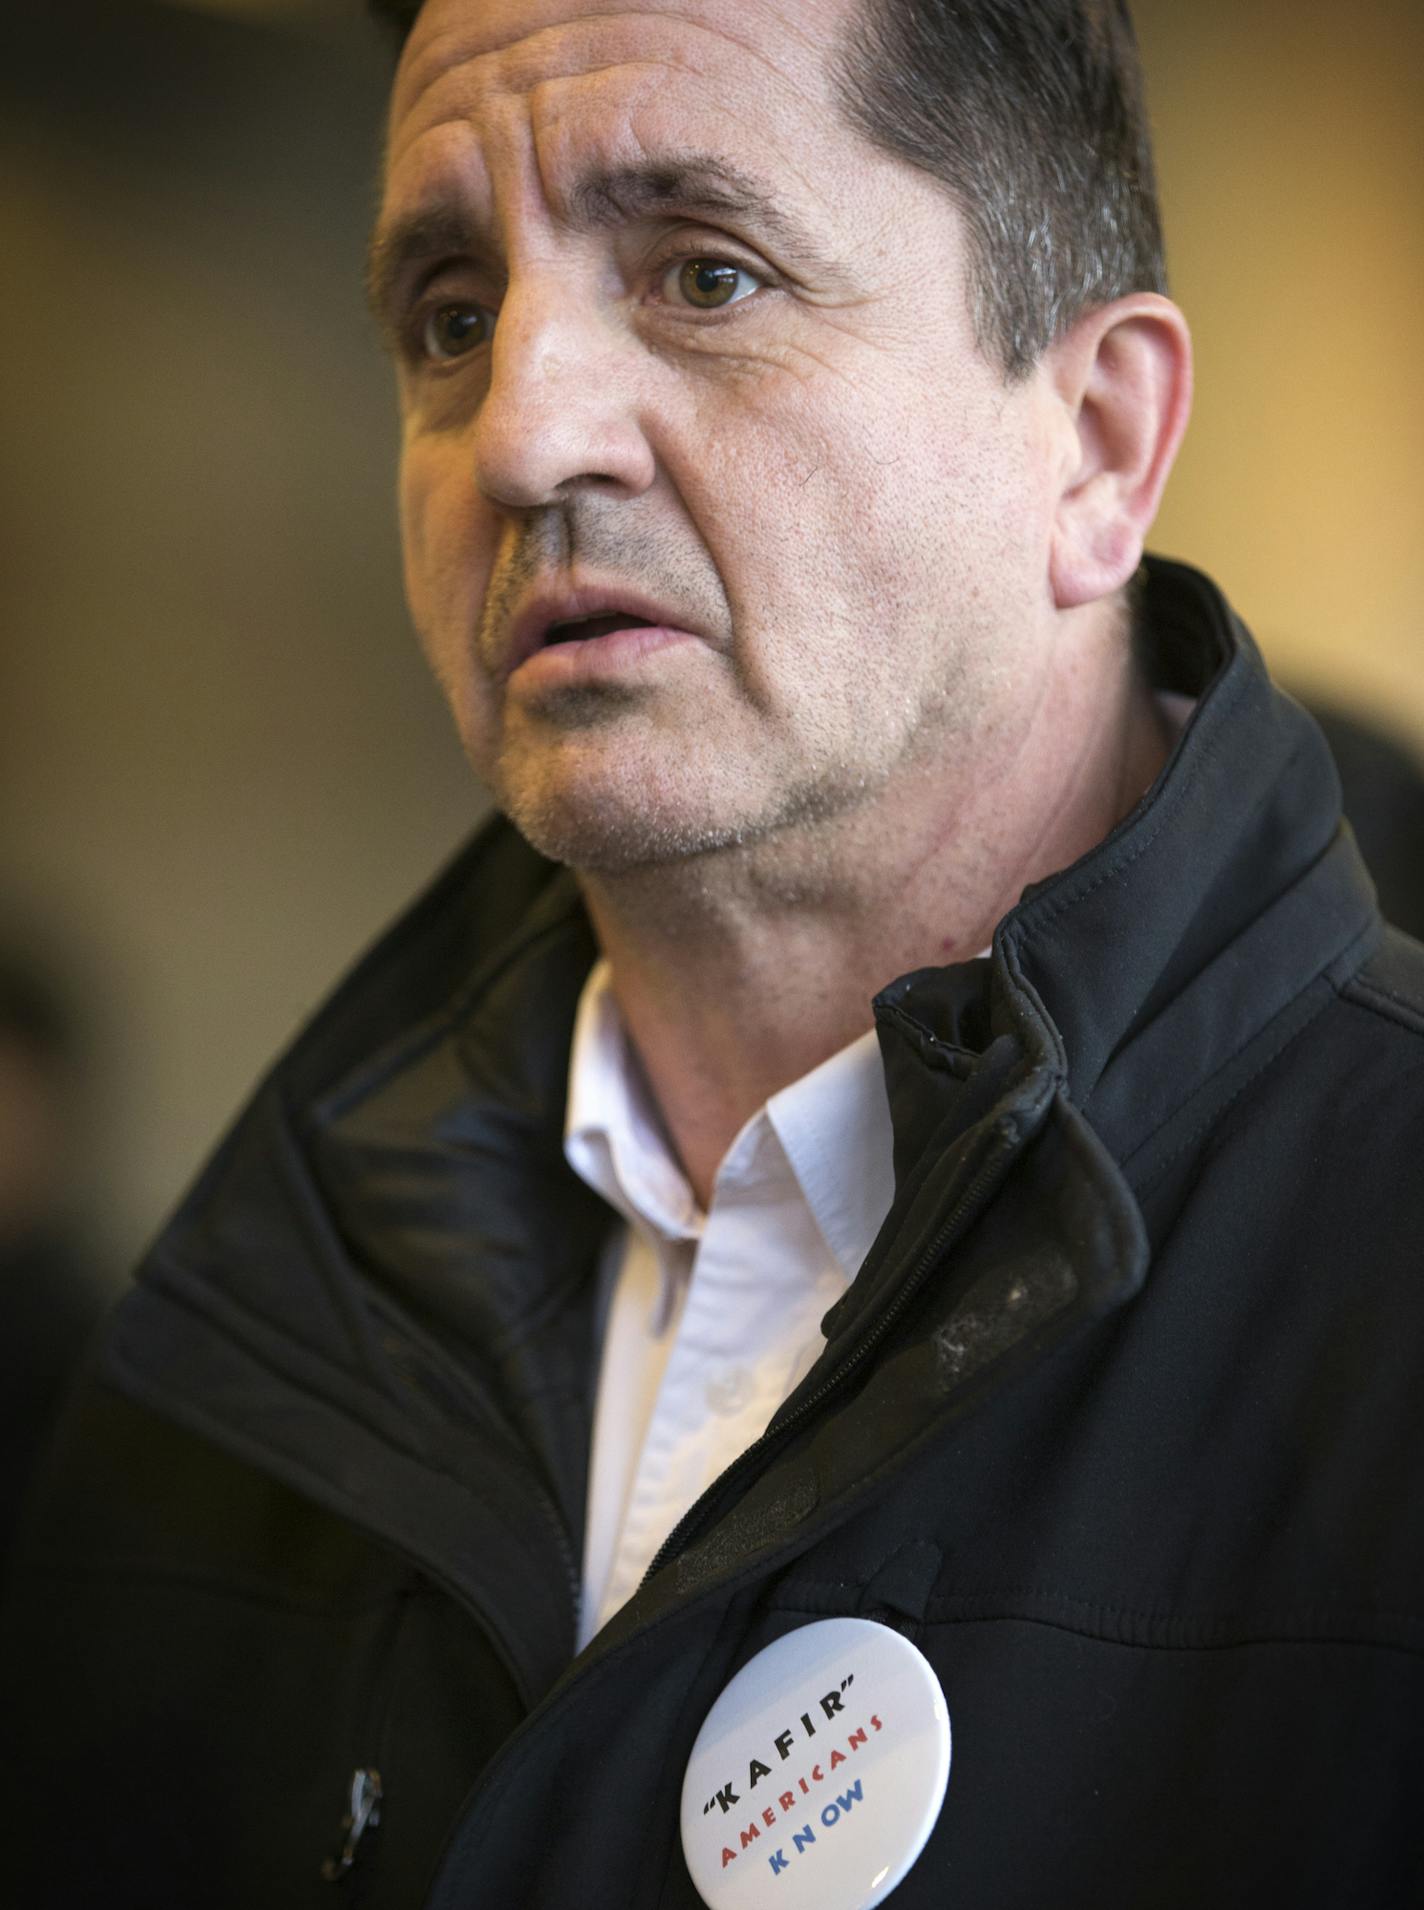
[363,1814]
[366,1789]
[1003,1141]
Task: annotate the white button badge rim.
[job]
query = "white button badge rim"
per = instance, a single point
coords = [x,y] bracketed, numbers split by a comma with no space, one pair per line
[799,1700]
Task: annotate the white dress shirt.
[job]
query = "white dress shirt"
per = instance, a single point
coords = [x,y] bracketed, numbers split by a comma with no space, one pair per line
[711,1319]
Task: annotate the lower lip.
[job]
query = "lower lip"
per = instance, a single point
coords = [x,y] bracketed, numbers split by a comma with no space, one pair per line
[585,660]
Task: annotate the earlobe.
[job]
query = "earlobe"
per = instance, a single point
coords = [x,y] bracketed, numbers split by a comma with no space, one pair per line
[1123,375]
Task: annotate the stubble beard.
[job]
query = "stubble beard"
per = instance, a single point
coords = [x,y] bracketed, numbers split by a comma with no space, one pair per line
[649,809]
[760,801]
[707,814]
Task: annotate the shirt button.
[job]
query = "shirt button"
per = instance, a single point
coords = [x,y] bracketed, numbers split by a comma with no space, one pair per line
[729,1391]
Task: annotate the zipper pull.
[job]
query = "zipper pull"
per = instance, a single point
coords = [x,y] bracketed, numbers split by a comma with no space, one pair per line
[364,1815]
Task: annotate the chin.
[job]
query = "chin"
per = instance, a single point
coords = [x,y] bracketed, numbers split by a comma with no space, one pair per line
[618,810]
[610,831]
[609,845]
[601,797]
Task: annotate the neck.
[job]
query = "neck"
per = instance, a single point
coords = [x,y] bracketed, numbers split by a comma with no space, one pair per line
[740,971]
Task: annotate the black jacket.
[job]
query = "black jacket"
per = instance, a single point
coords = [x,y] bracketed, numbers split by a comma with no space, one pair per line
[1122,1421]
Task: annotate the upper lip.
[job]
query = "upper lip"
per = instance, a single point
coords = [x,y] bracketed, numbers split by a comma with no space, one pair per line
[546,608]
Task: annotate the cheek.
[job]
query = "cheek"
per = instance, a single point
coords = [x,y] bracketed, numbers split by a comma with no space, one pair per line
[882,547]
[447,557]
[445,546]
[417,495]
[932,502]
[830,500]
[761,470]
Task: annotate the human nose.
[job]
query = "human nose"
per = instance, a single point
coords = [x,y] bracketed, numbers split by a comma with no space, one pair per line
[560,412]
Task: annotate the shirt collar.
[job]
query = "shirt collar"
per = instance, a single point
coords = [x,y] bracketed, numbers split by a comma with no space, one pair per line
[835,1115]
[834,1125]
[613,1137]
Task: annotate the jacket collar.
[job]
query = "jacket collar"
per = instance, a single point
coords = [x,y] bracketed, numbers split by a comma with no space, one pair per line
[1183,917]
[391,1237]
[1126,1003]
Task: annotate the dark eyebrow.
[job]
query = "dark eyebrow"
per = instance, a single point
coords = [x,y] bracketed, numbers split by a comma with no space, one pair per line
[442,229]
[689,183]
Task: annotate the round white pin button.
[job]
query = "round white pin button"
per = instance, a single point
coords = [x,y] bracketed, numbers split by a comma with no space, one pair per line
[818,1775]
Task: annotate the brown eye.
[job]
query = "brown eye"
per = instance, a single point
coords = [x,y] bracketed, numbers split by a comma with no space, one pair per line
[453,331]
[706,284]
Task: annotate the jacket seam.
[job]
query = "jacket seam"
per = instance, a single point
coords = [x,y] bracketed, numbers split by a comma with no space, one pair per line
[300,1475]
[1117,865]
[1320,1611]
[1305,1626]
[1304,1614]
[1221,1108]
[289,1469]
[1381,1001]
[933,1051]
[217,1586]
[1246,1641]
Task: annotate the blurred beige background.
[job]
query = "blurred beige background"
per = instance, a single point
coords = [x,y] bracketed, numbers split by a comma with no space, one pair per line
[1291,148]
[221,765]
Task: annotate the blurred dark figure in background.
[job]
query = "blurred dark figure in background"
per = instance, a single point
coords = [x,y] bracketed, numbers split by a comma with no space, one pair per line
[48,1300]
[1383,785]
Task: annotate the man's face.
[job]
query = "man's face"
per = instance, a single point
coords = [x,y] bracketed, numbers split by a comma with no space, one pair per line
[676,345]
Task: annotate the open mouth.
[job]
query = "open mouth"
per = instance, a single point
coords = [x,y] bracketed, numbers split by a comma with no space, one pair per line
[585,629]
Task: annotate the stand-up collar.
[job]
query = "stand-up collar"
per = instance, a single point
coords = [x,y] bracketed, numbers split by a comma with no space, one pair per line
[1233,867]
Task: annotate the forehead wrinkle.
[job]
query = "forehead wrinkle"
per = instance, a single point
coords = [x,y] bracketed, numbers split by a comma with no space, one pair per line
[483,76]
[454,52]
[602,197]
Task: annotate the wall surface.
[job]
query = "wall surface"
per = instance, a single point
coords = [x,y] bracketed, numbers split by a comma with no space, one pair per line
[1291,148]
[221,764]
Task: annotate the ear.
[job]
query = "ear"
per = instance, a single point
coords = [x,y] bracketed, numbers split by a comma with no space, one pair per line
[1121,383]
